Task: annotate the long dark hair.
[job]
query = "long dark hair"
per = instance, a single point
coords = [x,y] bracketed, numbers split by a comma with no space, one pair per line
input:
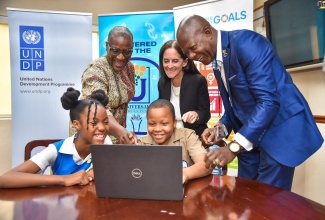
[190,68]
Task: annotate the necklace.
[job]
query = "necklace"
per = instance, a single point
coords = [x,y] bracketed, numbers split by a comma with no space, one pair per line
[176,90]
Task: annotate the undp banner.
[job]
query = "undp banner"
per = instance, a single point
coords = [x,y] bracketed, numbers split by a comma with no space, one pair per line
[48,53]
[150,31]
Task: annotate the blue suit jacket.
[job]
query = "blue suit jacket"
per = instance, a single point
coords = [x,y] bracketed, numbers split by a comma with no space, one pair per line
[267,108]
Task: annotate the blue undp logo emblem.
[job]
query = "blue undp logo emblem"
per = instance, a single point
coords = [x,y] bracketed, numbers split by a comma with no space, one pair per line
[31,48]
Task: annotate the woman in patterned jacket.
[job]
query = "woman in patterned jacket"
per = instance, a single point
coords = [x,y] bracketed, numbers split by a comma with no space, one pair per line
[114,73]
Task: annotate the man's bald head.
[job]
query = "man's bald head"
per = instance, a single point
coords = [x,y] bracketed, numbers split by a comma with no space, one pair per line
[191,24]
[197,38]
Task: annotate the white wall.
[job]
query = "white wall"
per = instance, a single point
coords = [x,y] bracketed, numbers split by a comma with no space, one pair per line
[309,177]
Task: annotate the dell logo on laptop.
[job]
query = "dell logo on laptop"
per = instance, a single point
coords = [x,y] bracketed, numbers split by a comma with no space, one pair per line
[136,173]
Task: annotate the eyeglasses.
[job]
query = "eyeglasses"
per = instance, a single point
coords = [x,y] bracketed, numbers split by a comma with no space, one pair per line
[116,51]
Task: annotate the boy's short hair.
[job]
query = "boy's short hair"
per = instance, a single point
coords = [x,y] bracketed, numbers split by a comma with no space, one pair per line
[161,103]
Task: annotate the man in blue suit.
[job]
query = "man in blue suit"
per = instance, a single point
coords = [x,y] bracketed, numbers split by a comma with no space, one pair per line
[274,128]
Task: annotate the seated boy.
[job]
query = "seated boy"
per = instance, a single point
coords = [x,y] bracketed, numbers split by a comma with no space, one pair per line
[162,130]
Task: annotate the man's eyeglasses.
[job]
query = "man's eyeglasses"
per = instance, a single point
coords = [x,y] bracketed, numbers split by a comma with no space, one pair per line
[116,51]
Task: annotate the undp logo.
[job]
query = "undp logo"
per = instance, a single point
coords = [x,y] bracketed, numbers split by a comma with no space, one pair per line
[31,37]
[31,48]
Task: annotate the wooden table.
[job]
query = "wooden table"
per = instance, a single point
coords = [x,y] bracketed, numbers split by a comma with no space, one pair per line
[212,197]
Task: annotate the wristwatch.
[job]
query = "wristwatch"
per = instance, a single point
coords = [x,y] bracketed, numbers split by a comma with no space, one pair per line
[235,147]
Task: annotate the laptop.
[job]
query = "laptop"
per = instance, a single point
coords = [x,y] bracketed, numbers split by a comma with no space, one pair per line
[138,171]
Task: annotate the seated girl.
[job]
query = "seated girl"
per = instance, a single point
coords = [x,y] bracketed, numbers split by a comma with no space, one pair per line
[162,130]
[69,159]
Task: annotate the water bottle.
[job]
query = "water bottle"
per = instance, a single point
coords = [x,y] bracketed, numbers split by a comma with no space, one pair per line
[217,170]
[221,131]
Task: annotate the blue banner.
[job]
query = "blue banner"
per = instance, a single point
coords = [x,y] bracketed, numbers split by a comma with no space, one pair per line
[150,31]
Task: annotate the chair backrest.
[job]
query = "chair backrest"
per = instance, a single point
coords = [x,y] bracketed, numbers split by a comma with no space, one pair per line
[37,143]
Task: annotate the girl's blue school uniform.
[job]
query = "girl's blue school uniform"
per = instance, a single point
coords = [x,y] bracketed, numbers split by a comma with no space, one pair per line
[64,163]
[63,157]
